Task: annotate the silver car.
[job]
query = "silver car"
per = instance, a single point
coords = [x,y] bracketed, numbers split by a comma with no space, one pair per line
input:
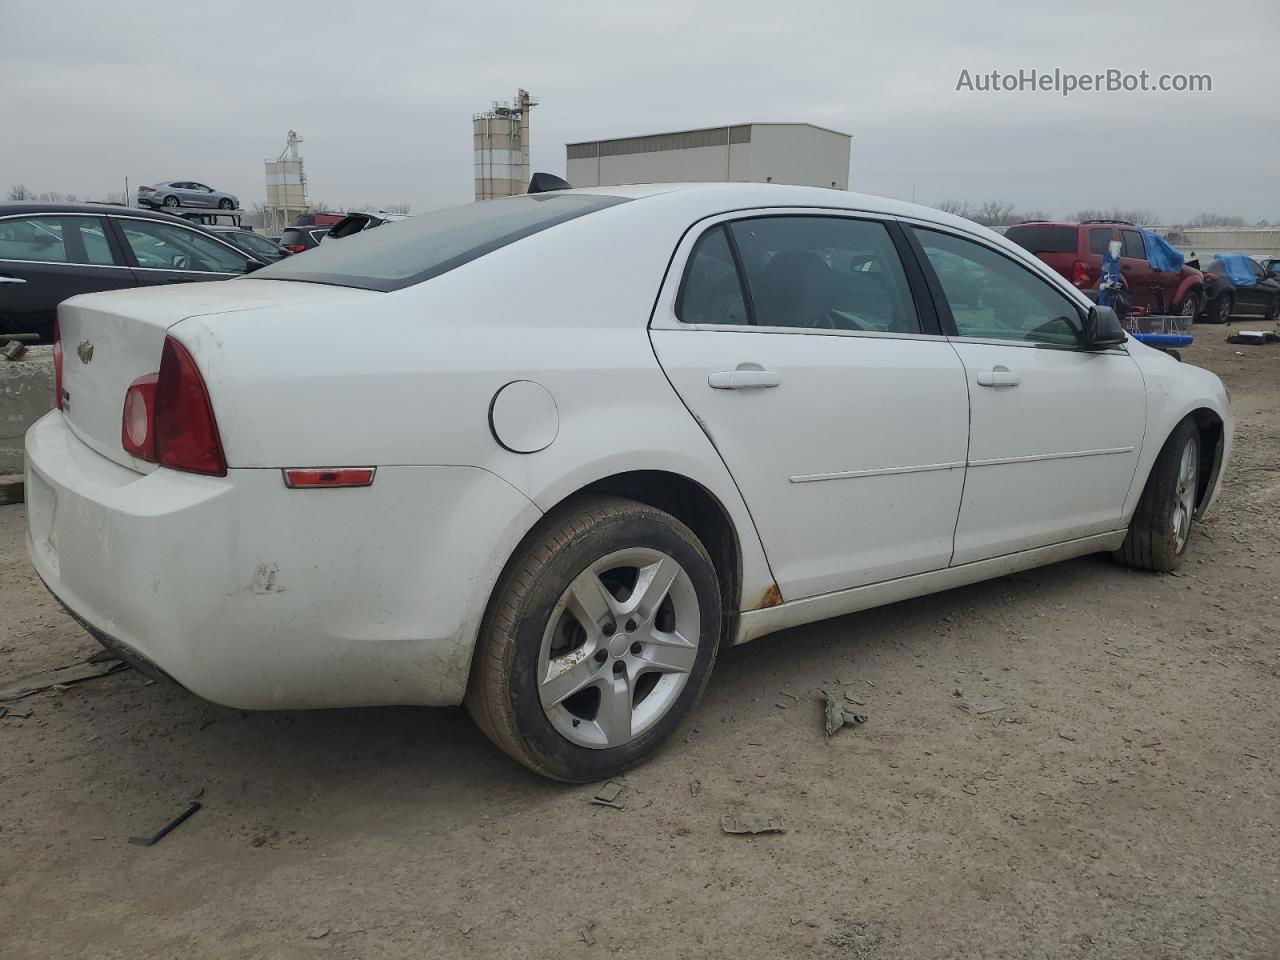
[185,193]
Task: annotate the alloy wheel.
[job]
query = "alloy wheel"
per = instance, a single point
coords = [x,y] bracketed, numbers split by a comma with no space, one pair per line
[618,648]
[1185,496]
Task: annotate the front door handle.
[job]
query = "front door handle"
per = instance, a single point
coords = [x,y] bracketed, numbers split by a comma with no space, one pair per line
[12,280]
[743,379]
[999,377]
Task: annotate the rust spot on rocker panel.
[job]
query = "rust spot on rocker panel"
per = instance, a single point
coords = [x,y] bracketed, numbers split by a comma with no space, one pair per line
[772,597]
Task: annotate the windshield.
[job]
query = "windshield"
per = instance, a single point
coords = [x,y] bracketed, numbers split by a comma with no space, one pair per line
[406,252]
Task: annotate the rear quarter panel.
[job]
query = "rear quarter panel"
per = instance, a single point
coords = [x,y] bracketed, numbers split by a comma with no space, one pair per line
[407,378]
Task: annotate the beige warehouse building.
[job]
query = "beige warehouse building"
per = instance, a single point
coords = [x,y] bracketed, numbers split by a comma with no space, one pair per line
[797,153]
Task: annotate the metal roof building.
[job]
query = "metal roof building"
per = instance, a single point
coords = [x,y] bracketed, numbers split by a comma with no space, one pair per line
[798,153]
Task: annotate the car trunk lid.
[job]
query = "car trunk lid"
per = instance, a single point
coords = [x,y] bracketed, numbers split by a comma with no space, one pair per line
[111,339]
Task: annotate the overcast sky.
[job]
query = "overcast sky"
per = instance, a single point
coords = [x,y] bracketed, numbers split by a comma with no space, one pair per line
[382,92]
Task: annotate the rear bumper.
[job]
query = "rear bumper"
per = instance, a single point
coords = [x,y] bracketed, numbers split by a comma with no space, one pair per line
[260,597]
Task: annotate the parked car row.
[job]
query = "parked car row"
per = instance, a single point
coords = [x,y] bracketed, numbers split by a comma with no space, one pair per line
[1076,250]
[52,251]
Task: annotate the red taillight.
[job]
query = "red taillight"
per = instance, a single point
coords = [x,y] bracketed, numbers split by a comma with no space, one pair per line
[1207,276]
[294,247]
[298,477]
[57,363]
[1079,274]
[185,432]
[137,425]
[147,189]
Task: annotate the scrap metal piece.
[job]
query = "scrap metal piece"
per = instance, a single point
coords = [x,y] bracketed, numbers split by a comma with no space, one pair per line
[836,716]
[751,824]
[62,677]
[166,829]
[980,705]
[607,796]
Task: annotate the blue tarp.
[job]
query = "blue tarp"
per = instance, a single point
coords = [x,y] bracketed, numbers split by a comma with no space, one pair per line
[1238,270]
[1161,254]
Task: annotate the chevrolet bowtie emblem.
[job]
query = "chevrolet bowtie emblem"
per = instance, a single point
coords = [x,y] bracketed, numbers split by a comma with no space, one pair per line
[85,350]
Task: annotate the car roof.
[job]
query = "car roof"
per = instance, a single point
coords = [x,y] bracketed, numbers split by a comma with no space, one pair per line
[9,208]
[708,199]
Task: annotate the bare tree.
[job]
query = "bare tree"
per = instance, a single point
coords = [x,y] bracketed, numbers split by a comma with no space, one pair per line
[996,213]
[1215,220]
[118,196]
[957,207]
[20,191]
[319,206]
[1135,215]
[400,208]
[1034,216]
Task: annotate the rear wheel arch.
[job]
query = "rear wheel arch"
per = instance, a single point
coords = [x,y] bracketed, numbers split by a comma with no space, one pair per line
[698,509]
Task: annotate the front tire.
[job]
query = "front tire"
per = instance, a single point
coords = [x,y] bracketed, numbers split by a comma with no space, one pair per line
[1161,526]
[1190,306]
[598,640]
[171,201]
[225,204]
[1220,309]
[1273,311]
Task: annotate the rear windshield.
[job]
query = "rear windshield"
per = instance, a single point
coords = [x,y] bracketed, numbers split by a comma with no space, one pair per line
[1044,239]
[406,252]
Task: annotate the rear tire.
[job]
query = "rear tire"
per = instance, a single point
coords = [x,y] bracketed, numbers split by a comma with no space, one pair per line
[1220,310]
[1161,526]
[1190,306]
[571,612]
[1273,311]
[171,201]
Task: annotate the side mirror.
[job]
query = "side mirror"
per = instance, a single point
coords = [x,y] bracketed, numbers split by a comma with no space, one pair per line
[1102,329]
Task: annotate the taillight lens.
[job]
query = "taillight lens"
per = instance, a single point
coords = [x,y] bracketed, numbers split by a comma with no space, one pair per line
[1207,276]
[1080,274]
[57,363]
[185,431]
[294,247]
[137,425]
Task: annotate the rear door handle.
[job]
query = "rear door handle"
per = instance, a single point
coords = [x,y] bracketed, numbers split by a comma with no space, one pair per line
[998,378]
[12,280]
[743,379]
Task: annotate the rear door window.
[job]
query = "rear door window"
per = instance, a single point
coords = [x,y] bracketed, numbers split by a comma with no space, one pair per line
[1043,239]
[1133,246]
[823,273]
[1099,240]
[711,291]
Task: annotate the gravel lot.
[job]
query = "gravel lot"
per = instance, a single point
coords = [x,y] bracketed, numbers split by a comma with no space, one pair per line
[1125,803]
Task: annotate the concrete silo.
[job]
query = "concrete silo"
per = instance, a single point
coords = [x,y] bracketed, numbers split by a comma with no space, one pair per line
[286,187]
[501,136]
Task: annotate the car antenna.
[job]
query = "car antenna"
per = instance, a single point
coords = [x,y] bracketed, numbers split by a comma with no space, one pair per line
[546,182]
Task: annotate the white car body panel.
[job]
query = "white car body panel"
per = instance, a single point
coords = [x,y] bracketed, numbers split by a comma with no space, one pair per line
[255,595]
[1056,453]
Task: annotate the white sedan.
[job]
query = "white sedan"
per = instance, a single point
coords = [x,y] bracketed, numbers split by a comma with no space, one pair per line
[545,455]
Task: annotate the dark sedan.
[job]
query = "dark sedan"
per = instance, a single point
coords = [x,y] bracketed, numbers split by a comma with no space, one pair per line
[1230,294]
[254,244]
[52,251]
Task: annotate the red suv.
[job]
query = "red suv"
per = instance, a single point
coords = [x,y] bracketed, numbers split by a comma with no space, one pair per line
[1075,250]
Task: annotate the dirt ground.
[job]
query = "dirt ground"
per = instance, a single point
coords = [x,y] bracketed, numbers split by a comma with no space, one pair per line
[1126,803]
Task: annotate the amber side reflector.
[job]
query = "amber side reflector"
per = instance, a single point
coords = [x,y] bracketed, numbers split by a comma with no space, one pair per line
[308,478]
